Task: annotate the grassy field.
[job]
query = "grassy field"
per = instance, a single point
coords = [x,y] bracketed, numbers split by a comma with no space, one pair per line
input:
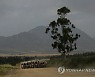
[6,69]
[8,55]
[86,60]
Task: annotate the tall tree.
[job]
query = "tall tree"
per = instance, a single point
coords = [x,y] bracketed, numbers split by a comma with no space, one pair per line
[62,32]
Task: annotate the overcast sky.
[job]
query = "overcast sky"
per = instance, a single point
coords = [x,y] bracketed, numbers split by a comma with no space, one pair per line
[22,15]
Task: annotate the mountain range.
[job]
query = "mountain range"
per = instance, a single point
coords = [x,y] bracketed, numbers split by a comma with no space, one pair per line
[36,41]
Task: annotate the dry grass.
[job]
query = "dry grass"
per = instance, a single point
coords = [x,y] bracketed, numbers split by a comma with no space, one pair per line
[6,69]
[6,55]
[48,72]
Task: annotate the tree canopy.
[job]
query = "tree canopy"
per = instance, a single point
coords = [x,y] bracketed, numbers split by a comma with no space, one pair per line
[62,32]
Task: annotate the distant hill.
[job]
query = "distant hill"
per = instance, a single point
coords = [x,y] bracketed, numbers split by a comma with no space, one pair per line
[36,41]
[85,42]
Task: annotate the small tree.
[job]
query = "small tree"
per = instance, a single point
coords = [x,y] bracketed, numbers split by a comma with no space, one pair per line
[61,32]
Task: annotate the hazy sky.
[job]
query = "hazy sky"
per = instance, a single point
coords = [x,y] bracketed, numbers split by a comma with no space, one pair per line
[22,15]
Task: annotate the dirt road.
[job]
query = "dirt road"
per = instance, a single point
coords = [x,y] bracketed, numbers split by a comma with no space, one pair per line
[47,72]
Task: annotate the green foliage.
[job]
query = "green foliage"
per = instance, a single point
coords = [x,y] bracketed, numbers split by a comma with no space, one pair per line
[13,60]
[5,69]
[86,60]
[61,30]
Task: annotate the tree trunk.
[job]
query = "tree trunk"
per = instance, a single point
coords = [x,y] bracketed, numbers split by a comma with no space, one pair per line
[64,56]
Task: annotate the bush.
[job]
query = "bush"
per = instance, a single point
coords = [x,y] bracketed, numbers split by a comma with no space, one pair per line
[74,61]
[5,69]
